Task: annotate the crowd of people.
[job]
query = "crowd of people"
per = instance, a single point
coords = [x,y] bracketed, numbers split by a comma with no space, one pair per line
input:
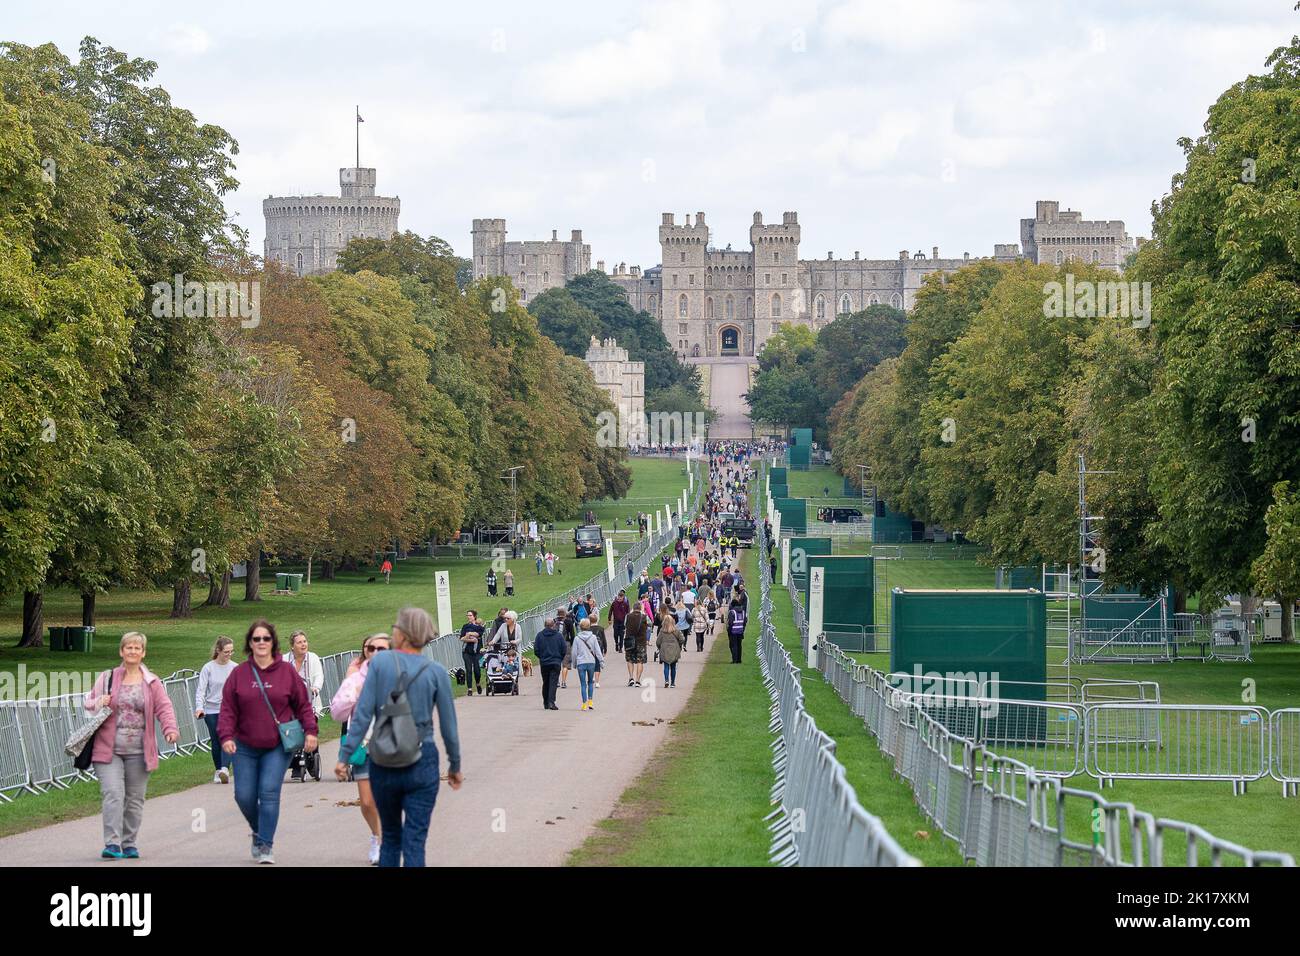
[261,714]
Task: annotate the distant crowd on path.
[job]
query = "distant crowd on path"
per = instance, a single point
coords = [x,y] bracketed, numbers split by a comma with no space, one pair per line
[261,713]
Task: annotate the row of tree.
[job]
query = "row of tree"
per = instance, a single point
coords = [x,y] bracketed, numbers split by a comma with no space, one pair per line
[150,436]
[1192,423]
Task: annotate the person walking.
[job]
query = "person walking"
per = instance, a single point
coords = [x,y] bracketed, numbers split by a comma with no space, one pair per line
[736,619]
[619,609]
[341,708]
[509,581]
[631,571]
[635,639]
[699,624]
[207,701]
[550,648]
[308,666]
[405,796]
[471,649]
[568,626]
[491,582]
[124,749]
[550,562]
[540,560]
[261,694]
[587,657]
[670,643]
[508,635]
[387,569]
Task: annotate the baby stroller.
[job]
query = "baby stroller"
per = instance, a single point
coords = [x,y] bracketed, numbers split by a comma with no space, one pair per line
[500,678]
[303,764]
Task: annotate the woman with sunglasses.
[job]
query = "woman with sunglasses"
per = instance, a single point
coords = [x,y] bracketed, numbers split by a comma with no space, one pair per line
[341,708]
[262,693]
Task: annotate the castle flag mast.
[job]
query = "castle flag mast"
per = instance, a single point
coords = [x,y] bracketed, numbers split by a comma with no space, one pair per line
[358,125]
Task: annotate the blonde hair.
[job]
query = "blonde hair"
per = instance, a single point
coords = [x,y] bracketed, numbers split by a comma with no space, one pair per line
[221,642]
[133,637]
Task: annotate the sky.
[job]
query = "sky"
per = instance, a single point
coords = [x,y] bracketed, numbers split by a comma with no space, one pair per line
[886,125]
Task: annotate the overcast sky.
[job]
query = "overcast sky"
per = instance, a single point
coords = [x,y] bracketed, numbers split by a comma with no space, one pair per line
[886,125]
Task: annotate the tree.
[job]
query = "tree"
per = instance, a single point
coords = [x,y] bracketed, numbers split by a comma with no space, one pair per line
[852,345]
[566,323]
[1277,569]
[784,390]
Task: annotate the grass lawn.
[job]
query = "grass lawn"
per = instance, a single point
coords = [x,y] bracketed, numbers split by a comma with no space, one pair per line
[655,482]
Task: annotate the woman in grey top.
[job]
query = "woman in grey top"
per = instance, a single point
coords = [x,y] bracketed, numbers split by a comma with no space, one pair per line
[207,701]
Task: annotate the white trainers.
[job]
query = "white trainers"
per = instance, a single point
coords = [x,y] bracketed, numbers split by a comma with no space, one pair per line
[223,775]
[216,777]
[373,856]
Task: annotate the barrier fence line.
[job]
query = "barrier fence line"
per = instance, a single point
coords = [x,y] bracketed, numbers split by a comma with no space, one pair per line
[819,820]
[33,732]
[1007,811]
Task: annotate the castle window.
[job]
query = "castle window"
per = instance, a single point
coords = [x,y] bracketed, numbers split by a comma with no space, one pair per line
[731,308]
[846,304]
[776,305]
[683,255]
[749,307]
[896,300]
[821,309]
[728,278]
[546,277]
[683,328]
[692,278]
[776,257]
[300,263]
[1060,257]
[767,278]
[708,279]
[708,308]
[1096,255]
[785,278]
[682,307]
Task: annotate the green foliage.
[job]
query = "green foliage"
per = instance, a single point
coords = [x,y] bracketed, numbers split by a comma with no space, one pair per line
[784,390]
[1277,569]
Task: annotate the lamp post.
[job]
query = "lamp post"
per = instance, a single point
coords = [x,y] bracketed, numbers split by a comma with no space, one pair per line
[512,474]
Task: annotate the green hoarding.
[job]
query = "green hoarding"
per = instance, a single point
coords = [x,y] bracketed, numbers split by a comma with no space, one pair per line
[809,545]
[999,634]
[778,475]
[794,513]
[848,605]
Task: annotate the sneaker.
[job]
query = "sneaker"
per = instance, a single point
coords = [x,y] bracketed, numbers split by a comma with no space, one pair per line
[631,682]
[597,684]
[591,705]
[267,855]
[216,777]
[257,851]
[130,853]
[223,775]
[673,684]
[373,856]
[563,685]
[111,852]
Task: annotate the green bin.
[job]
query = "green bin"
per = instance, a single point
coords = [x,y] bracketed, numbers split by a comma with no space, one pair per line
[58,639]
[281,581]
[295,582]
[80,639]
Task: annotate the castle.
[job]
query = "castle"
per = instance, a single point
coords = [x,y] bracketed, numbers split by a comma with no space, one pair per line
[307,233]
[623,381]
[716,302]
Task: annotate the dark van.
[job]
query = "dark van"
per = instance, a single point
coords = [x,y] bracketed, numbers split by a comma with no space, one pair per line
[588,541]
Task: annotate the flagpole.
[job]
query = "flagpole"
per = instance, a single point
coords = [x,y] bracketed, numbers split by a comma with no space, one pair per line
[357,124]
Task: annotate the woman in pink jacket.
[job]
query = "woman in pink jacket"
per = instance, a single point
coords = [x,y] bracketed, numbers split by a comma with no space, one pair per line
[341,707]
[126,745]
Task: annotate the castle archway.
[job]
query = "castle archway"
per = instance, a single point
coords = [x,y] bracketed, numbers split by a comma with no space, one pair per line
[729,340]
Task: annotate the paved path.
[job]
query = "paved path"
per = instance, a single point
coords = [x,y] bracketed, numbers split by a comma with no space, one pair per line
[536,783]
[729,381]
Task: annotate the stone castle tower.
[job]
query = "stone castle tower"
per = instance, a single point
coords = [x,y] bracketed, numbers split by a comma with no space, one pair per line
[306,233]
[533,266]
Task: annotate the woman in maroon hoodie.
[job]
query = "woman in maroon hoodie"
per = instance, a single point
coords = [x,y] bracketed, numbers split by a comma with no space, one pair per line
[260,694]
[126,745]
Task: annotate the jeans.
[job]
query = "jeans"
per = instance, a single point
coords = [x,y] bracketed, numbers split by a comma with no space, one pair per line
[219,757]
[122,783]
[259,774]
[618,635]
[587,681]
[699,640]
[472,668]
[404,798]
[734,640]
[550,681]
[670,673]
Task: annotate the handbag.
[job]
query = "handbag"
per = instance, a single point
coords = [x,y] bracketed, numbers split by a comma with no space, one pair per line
[359,756]
[292,736]
[81,743]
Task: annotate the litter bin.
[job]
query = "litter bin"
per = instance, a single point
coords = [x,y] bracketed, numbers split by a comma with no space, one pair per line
[80,639]
[295,582]
[58,639]
[281,582]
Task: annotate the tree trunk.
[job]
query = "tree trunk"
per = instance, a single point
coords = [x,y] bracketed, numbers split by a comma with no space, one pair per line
[327,570]
[349,562]
[307,583]
[1180,601]
[253,582]
[223,590]
[33,620]
[1288,604]
[181,598]
[214,589]
[88,609]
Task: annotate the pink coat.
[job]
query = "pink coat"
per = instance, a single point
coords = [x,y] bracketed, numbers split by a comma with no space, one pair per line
[157,706]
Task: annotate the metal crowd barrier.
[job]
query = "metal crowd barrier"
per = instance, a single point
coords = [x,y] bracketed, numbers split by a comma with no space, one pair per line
[1004,811]
[819,820]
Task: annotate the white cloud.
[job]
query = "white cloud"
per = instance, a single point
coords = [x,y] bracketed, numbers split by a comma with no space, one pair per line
[186,39]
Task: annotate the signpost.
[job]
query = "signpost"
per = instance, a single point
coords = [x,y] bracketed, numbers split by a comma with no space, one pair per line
[816,592]
[785,561]
[609,558]
[442,582]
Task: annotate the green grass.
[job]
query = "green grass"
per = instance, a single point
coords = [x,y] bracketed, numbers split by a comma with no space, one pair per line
[702,799]
[655,482]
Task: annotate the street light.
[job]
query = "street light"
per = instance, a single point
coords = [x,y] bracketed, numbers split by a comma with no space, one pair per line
[511,473]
